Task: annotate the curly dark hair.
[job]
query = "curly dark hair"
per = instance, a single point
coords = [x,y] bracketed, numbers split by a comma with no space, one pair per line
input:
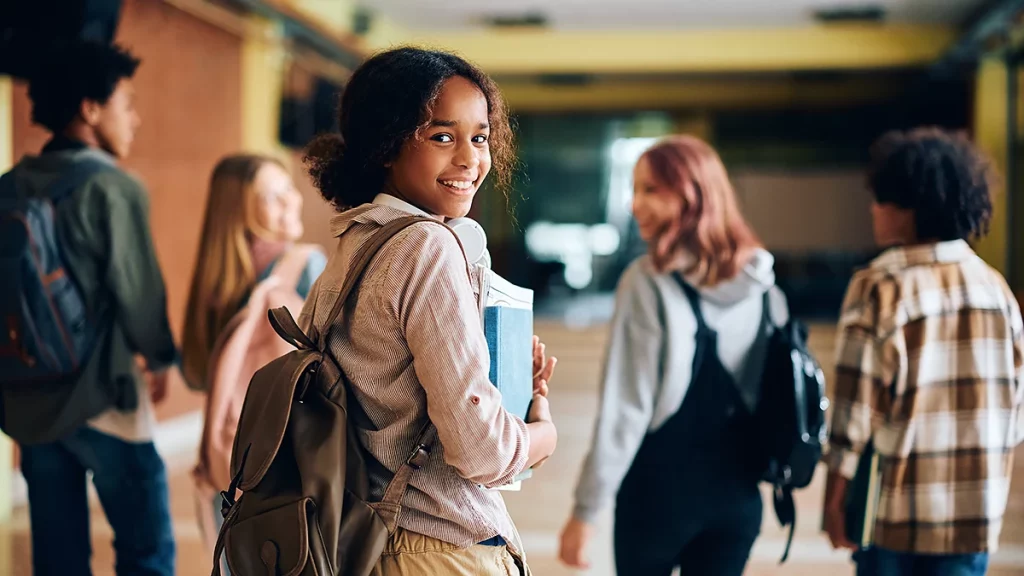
[386,102]
[83,71]
[939,175]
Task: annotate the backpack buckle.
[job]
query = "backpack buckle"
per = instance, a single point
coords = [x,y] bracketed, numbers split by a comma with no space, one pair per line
[307,375]
[226,502]
[227,497]
[419,456]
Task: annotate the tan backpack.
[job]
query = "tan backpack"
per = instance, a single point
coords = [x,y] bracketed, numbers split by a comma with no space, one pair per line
[247,343]
[303,507]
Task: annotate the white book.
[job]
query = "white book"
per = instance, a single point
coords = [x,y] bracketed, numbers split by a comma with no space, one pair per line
[501,292]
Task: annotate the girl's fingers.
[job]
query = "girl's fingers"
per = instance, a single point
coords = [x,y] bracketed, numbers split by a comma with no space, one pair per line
[549,368]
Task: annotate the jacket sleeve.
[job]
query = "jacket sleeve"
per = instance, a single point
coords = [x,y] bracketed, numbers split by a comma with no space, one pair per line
[862,388]
[629,386]
[1017,332]
[133,274]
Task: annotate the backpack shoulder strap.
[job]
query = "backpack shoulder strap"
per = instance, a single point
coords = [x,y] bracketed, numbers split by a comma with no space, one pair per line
[81,170]
[360,262]
[61,186]
[693,297]
[390,505]
[286,327]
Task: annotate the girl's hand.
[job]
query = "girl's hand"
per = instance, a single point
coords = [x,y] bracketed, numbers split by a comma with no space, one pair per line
[543,368]
[576,538]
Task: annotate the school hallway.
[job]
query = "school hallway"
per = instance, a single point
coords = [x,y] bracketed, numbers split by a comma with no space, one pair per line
[541,508]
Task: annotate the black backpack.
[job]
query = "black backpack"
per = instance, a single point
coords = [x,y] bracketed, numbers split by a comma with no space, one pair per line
[789,418]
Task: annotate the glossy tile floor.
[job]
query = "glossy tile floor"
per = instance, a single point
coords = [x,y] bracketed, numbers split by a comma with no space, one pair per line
[542,506]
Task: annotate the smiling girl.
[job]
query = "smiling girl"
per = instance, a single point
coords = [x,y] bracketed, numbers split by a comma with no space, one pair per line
[681,378]
[419,133]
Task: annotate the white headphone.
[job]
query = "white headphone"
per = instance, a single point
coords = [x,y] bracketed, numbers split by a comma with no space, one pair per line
[474,240]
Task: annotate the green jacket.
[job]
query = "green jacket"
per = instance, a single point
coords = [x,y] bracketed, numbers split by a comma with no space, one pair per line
[103,229]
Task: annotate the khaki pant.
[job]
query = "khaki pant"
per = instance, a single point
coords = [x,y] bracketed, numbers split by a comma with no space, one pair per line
[410,553]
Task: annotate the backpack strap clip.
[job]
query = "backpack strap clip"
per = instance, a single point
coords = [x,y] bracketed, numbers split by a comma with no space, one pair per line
[419,457]
[228,496]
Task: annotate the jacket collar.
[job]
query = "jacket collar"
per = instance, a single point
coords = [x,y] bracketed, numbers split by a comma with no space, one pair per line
[900,257]
[384,208]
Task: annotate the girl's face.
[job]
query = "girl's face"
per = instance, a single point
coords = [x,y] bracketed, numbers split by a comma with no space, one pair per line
[655,206]
[441,170]
[278,203]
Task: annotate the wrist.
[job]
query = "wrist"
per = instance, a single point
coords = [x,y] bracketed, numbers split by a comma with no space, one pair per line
[584,515]
[544,436]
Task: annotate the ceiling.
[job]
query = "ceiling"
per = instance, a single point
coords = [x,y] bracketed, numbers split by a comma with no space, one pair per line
[656,14]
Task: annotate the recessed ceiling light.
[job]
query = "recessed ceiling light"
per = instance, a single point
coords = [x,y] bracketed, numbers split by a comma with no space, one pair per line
[526,20]
[854,13]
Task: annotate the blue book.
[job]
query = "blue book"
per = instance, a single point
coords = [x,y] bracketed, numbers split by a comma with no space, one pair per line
[509,333]
[508,327]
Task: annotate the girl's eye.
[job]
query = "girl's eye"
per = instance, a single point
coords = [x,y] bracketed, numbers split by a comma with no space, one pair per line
[480,139]
[444,138]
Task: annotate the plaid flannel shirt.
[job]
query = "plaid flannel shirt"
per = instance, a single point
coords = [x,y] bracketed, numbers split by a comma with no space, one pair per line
[928,360]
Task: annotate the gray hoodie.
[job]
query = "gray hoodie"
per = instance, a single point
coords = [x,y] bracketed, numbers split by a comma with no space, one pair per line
[650,356]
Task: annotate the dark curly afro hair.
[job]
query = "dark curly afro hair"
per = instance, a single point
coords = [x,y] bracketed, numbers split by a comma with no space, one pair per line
[387,100]
[81,71]
[939,175]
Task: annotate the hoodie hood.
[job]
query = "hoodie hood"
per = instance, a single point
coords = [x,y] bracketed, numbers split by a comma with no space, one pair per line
[753,280]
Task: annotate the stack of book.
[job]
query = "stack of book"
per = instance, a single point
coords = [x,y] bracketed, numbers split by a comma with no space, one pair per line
[508,327]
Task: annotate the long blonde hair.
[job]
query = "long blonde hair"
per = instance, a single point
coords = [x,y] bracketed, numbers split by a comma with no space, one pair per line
[224,273]
[711,227]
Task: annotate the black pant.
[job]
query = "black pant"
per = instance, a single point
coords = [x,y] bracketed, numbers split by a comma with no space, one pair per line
[690,497]
[717,546]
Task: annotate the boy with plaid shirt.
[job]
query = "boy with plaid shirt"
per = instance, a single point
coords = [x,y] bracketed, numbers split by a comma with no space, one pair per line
[928,359]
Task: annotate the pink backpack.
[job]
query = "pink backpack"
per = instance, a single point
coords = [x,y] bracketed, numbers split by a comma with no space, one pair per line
[246,344]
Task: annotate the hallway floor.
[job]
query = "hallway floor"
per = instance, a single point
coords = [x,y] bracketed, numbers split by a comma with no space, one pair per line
[541,508]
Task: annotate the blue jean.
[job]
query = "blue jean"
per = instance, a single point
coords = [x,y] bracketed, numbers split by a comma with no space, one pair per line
[880,562]
[131,482]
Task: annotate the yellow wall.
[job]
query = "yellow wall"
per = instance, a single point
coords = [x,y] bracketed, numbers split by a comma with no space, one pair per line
[990,131]
[6,124]
[335,14]
[384,33]
[825,47]
[263,60]
[1017,217]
